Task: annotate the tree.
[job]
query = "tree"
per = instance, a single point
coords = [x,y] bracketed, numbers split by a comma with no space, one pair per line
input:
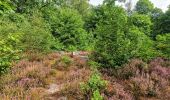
[112,46]
[67,26]
[141,46]
[120,38]
[164,23]
[37,35]
[156,13]
[28,5]
[143,22]
[82,6]
[111,2]
[156,19]
[144,7]
[128,6]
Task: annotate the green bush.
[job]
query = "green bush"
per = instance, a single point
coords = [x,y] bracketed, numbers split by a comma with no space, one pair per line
[94,83]
[36,32]
[163,44]
[9,50]
[5,7]
[97,95]
[112,47]
[37,36]
[67,27]
[141,46]
[10,43]
[120,39]
[143,22]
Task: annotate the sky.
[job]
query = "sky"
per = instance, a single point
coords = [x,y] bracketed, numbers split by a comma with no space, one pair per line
[163,4]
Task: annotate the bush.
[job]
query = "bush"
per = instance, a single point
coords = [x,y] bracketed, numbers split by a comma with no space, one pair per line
[143,22]
[141,46]
[36,33]
[111,45]
[10,41]
[67,27]
[120,39]
[37,36]
[93,86]
[97,95]
[162,44]
[5,7]
[8,51]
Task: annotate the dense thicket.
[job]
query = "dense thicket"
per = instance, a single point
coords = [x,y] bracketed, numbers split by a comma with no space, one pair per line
[113,33]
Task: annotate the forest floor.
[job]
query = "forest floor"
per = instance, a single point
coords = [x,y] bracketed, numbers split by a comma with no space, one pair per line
[57,76]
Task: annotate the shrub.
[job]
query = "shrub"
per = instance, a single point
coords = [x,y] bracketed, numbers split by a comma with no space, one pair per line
[97,95]
[67,60]
[10,40]
[37,35]
[162,44]
[141,46]
[8,51]
[111,45]
[119,39]
[93,86]
[67,27]
[143,22]
[5,7]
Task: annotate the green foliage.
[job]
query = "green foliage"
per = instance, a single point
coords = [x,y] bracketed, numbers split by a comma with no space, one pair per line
[156,13]
[37,35]
[93,65]
[156,17]
[27,6]
[144,7]
[141,46]
[143,22]
[163,44]
[97,95]
[5,7]
[95,83]
[9,43]
[111,45]
[82,6]
[67,27]
[163,24]
[66,60]
[119,39]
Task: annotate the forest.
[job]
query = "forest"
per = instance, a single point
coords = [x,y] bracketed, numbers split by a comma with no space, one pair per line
[73,50]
